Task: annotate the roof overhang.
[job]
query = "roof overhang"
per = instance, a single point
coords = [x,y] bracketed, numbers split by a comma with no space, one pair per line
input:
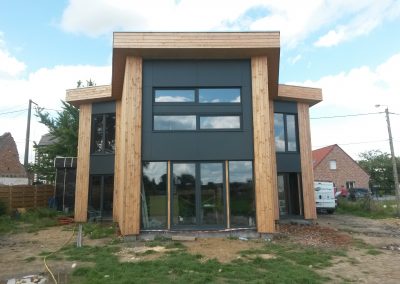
[80,96]
[306,95]
[195,45]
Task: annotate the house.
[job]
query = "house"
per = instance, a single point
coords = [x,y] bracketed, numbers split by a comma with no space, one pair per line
[46,173]
[12,172]
[195,133]
[333,164]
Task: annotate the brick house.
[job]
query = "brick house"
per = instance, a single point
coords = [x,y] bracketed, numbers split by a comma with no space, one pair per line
[11,170]
[333,164]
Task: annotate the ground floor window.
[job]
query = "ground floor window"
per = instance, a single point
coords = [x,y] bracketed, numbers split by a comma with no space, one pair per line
[290,194]
[100,199]
[200,194]
[154,195]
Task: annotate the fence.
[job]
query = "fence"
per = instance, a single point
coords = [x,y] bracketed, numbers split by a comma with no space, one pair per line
[26,196]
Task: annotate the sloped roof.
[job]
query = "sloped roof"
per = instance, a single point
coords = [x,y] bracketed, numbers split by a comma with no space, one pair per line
[319,154]
[10,165]
[47,139]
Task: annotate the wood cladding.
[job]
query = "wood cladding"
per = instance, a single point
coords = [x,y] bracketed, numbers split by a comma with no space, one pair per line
[274,174]
[118,163]
[169,194]
[88,95]
[307,175]
[263,152]
[228,202]
[196,40]
[83,163]
[131,130]
[307,95]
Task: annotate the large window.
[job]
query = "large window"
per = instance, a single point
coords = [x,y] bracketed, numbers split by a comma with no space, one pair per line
[100,199]
[103,133]
[241,194]
[154,195]
[285,127]
[197,109]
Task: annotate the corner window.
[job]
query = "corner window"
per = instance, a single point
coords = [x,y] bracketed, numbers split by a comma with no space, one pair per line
[332,165]
[103,138]
[285,128]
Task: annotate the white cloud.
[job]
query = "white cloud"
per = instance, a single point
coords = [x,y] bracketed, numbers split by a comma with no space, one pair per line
[353,92]
[296,20]
[46,87]
[366,19]
[294,60]
[9,65]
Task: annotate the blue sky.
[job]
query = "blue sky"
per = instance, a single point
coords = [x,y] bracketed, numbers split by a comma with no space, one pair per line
[349,48]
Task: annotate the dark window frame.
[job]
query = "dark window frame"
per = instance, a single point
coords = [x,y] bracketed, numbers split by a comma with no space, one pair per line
[93,131]
[285,132]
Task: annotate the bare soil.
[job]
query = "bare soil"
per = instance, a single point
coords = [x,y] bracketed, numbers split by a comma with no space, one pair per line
[375,262]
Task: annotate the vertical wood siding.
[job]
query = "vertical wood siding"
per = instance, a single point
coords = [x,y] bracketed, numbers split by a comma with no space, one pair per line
[82,170]
[274,174]
[118,162]
[263,164]
[307,175]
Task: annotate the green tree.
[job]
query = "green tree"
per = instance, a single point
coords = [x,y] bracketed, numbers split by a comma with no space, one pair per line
[378,165]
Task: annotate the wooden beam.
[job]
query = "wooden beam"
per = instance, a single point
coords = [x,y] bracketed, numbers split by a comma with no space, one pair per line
[87,95]
[306,95]
[118,163]
[307,175]
[169,195]
[132,131]
[263,168]
[274,173]
[228,205]
[83,163]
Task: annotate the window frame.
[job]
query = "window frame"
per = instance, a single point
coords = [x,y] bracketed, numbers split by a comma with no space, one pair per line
[285,132]
[93,131]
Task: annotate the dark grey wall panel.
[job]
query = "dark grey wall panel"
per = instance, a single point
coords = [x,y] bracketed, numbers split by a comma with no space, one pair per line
[197,145]
[103,107]
[101,164]
[285,107]
[288,162]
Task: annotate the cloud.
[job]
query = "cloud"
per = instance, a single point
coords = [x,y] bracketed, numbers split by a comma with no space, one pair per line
[9,65]
[357,17]
[366,19]
[358,91]
[46,87]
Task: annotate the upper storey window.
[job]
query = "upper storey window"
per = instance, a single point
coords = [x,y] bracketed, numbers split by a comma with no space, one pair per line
[285,127]
[198,95]
[103,133]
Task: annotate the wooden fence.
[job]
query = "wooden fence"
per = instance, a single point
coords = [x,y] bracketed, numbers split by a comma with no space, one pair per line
[26,196]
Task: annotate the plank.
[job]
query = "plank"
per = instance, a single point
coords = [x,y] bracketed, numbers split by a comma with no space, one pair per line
[118,163]
[228,204]
[83,163]
[307,175]
[88,95]
[310,96]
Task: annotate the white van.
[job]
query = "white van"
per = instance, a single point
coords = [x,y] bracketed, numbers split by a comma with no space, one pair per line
[325,196]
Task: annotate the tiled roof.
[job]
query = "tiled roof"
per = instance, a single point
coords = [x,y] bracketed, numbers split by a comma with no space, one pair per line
[10,165]
[319,154]
[47,139]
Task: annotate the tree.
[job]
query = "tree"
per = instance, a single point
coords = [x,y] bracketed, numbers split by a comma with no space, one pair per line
[379,166]
[64,131]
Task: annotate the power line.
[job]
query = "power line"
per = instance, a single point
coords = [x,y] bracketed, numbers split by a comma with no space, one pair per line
[3,113]
[354,143]
[346,115]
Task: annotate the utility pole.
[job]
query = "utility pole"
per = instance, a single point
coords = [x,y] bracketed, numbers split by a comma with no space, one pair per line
[395,174]
[28,130]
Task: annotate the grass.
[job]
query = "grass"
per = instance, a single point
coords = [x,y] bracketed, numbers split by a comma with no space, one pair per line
[98,230]
[31,221]
[371,208]
[292,264]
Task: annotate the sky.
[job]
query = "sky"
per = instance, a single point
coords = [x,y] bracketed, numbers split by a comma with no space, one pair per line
[349,48]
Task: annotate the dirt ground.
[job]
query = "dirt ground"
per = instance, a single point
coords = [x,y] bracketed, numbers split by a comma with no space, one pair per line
[19,253]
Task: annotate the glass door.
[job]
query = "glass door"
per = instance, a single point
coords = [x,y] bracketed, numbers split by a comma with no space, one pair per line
[198,195]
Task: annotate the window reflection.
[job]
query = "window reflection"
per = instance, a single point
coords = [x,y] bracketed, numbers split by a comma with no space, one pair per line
[219,122]
[174,96]
[174,122]
[103,133]
[219,95]
[154,195]
[184,194]
[241,194]
[98,133]
[279,132]
[291,132]
[100,199]
[212,203]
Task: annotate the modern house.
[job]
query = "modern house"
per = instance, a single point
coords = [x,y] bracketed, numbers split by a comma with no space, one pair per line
[12,172]
[195,133]
[333,164]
